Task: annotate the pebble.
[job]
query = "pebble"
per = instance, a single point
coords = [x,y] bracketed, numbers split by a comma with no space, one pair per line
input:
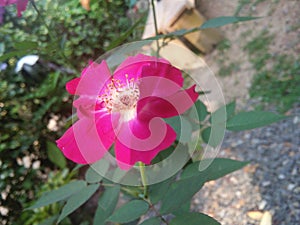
[247,136]
[290,187]
[266,183]
[255,141]
[294,171]
[262,205]
[296,120]
[297,190]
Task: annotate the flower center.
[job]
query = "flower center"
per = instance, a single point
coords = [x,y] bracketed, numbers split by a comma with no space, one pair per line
[121,97]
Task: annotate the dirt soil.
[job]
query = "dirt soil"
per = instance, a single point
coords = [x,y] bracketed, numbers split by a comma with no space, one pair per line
[279,18]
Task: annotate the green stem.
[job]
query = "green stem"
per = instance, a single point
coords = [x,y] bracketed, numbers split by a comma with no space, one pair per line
[155,26]
[143,177]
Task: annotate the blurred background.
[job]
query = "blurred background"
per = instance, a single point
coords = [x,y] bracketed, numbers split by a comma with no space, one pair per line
[256,63]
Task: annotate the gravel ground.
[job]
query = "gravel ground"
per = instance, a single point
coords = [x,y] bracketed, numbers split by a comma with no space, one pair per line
[270,183]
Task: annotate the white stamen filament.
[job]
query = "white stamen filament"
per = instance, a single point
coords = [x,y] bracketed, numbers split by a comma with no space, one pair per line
[122,98]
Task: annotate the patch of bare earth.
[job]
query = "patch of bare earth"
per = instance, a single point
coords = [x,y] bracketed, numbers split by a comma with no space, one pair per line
[279,19]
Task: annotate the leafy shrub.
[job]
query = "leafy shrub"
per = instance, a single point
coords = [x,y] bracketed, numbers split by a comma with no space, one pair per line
[65,36]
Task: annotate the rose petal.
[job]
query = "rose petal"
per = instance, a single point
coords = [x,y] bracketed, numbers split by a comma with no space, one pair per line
[88,106]
[7,2]
[160,86]
[166,107]
[140,58]
[94,80]
[144,66]
[127,157]
[85,142]
[142,135]
[71,85]
[21,6]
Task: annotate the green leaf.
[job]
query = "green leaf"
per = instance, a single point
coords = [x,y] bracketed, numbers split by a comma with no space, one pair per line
[218,167]
[182,127]
[43,109]
[201,111]
[185,208]
[157,191]
[129,212]
[224,20]
[25,45]
[252,119]
[214,134]
[59,194]
[194,219]
[49,221]
[2,48]
[92,176]
[212,138]
[212,23]
[96,171]
[152,221]
[205,134]
[229,109]
[106,204]
[11,55]
[180,192]
[77,199]
[135,222]
[55,155]
[163,155]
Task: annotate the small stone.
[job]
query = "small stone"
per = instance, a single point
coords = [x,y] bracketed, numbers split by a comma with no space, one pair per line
[268,134]
[266,183]
[238,194]
[255,141]
[255,215]
[290,187]
[297,190]
[237,143]
[222,213]
[247,136]
[285,162]
[294,171]
[296,120]
[296,204]
[234,180]
[262,205]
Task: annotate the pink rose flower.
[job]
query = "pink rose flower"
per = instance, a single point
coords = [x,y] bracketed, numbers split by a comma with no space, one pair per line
[21,5]
[125,109]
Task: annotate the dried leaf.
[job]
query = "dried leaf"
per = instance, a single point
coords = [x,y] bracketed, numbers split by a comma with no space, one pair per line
[255,215]
[85,4]
[266,219]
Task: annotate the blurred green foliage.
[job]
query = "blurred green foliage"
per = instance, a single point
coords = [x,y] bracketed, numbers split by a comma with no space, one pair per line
[63,31]
[65,36]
